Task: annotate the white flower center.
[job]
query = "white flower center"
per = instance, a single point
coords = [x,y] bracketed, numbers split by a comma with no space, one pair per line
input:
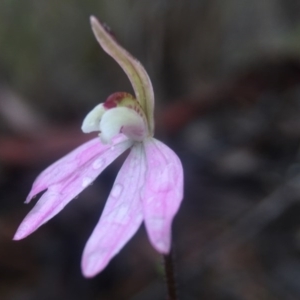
[121,113]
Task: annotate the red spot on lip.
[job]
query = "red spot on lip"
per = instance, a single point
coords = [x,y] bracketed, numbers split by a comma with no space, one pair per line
[114,99]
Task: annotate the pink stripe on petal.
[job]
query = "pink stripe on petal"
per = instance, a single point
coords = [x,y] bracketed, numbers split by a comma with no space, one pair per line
[68,164]
[121,218]
[162,194]
[60,194]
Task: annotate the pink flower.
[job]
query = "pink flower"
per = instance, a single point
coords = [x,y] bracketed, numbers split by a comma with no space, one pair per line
[149,186]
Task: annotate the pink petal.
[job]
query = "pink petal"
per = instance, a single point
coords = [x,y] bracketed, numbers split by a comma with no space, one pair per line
[162,194]
[60,194]
[68,164]
[121,217]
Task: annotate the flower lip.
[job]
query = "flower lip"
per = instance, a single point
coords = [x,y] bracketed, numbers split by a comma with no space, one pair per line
[120,113]
[122,120]
[93,118]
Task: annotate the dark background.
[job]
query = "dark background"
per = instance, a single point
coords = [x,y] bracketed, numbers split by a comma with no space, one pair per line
[226,76]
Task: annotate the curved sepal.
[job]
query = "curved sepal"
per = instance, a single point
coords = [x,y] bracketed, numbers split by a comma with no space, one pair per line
[136,73]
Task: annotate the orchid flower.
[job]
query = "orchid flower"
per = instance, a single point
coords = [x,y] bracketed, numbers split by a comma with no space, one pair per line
[148,187]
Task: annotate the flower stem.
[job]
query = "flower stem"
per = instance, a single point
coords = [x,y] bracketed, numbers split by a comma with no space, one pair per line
[170,276]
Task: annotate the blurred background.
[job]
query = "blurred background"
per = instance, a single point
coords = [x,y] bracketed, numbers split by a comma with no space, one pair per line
[226,76]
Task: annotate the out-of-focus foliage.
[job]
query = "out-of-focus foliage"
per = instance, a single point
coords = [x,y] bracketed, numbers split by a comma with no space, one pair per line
[48,45]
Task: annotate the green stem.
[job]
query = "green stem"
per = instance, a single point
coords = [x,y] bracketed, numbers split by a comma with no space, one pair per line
[170,276]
